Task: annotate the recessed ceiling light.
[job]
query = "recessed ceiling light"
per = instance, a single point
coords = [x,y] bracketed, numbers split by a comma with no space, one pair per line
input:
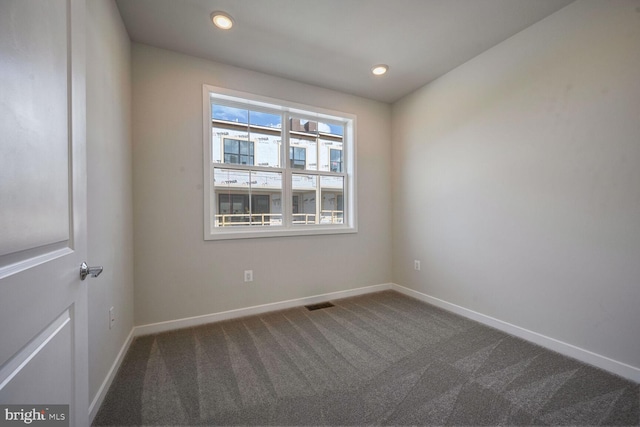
[222,20]
[380,69]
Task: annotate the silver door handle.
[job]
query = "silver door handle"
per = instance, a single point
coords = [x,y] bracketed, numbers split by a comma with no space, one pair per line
[85,270]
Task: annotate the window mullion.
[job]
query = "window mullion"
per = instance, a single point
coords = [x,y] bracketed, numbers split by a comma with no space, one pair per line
[287,188]
[345,195]
[318,198]
[250,198]
[213,203]
[318,151]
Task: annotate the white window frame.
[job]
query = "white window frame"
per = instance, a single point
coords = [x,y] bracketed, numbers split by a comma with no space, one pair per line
[285,108]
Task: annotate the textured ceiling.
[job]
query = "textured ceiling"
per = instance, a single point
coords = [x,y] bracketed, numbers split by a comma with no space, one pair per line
[334,43]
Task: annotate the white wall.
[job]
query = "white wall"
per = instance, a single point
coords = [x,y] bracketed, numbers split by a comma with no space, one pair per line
[110,211]
[517,181]
[177,273]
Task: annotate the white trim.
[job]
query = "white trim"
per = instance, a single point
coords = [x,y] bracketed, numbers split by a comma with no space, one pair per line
[624,370]
[278,231]
[106,384]
[154,328]
[286,109]
[207,156]
[619,368]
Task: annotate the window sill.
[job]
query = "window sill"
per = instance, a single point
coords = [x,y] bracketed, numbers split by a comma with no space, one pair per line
[248,233]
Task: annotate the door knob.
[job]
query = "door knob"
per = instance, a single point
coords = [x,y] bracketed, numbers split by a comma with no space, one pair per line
[85,271]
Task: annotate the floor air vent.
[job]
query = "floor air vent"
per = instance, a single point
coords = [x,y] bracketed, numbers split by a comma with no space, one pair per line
[318,306]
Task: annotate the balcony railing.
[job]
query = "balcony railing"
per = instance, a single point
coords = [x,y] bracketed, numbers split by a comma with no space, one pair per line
[331,217]
[266,219]
[225,220]
[304,218]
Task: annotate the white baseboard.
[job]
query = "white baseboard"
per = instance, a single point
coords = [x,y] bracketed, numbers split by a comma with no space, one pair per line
[102,391]
[154,328]
[619,368]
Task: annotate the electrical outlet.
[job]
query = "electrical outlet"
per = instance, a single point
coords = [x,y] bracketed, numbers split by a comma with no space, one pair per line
[416,265]
[248,275]
[112,318]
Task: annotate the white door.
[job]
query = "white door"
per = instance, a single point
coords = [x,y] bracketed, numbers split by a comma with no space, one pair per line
[43,302]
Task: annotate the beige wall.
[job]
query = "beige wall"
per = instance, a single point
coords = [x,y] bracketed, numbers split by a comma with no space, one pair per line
[517,181]
[110,212]
[177,273]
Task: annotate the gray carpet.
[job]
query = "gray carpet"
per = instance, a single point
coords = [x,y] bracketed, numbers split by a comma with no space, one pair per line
[378,359]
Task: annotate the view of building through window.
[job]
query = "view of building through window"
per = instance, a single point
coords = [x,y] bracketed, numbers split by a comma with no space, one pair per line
[251,176]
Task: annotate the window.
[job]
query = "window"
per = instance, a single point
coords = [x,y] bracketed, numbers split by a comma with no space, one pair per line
[238,152]
[297,157]
[276,169]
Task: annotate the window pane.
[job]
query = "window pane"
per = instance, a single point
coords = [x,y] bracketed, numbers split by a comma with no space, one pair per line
[230,145]
[304,199]
[267,148]
[303,135]
[265,120]
[229,114]
[331,155]
[297,157]
[332,195]
[237,151]
[303,126]
[231,158]
[335,160]
[331,129]
[244,148]
[227,140]
[266,198]
[303,153]
[247,198]
[231,195]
